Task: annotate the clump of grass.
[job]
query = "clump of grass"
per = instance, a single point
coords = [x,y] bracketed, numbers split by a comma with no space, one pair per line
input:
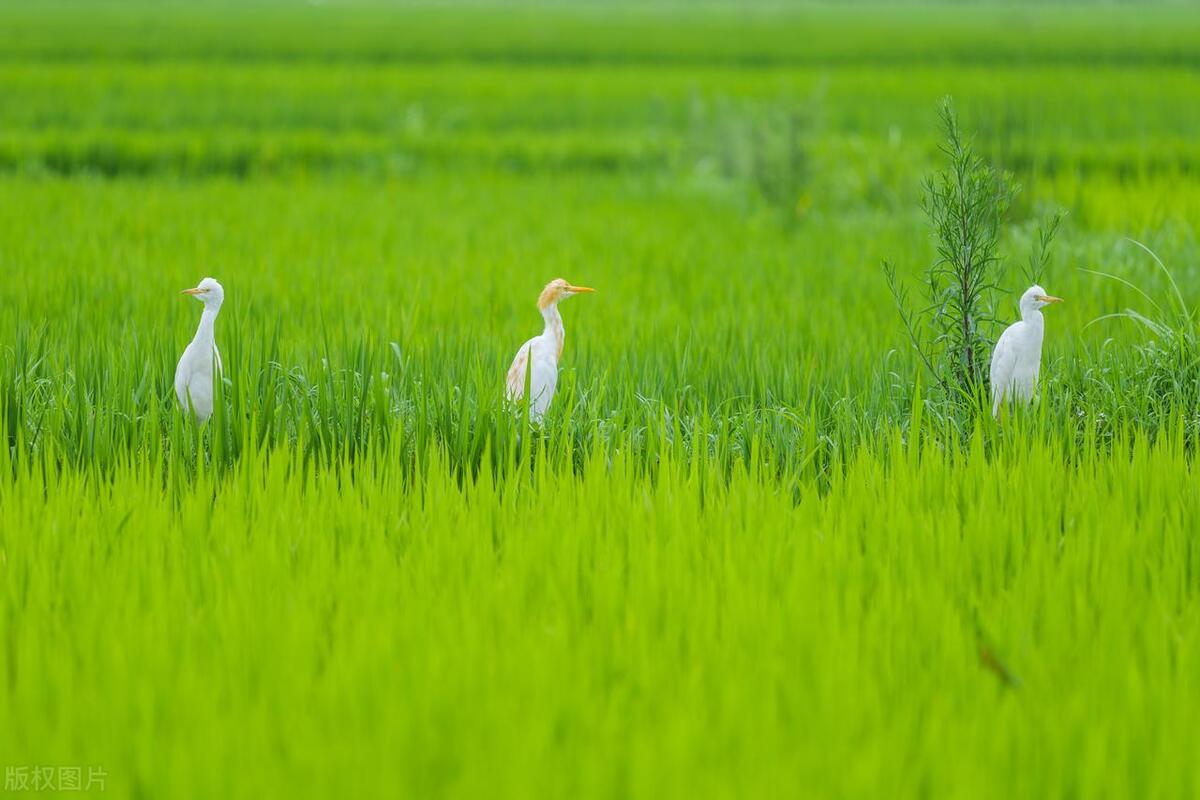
[1167,366]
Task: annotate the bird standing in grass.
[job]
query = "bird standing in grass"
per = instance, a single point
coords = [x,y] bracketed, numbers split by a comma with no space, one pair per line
[536,363]
[1018,353]
[194,375]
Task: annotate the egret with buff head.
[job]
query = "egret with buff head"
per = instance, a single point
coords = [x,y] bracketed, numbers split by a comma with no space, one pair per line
[536,363]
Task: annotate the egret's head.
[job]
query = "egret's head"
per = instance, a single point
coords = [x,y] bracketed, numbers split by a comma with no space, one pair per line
[556,290]
[1035,297]
[208,291]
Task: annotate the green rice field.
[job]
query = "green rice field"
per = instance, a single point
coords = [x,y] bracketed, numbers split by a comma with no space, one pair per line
[750,551]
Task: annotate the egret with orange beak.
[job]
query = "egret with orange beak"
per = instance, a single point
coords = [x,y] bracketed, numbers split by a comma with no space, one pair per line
[1018,354]
[536,362]
[194,375]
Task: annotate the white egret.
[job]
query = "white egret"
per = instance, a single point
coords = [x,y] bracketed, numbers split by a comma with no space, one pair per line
[194,375]
[542,352]
[1018,353]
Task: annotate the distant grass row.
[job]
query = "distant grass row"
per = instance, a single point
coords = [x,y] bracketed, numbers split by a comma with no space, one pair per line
[242,154]
[1074,101]
[192,118]
[118,89]
[1166,34]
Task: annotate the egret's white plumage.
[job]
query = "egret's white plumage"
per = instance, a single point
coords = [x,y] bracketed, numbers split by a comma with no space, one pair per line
[1018,354]
[541,352]
[194,375]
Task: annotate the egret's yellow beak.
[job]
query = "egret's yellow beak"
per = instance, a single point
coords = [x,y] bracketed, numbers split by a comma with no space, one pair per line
[580,289]
[1045,298]
[197,290]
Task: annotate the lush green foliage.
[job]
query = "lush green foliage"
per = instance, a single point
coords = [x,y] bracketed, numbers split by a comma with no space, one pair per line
[743,556]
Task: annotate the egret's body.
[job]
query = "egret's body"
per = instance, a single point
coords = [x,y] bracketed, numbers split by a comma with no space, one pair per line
[537,360]
[1018,354]
[194,377]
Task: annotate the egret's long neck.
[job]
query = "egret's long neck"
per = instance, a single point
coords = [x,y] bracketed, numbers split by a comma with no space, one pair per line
[205,332]
[1035,326]
[554,325]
